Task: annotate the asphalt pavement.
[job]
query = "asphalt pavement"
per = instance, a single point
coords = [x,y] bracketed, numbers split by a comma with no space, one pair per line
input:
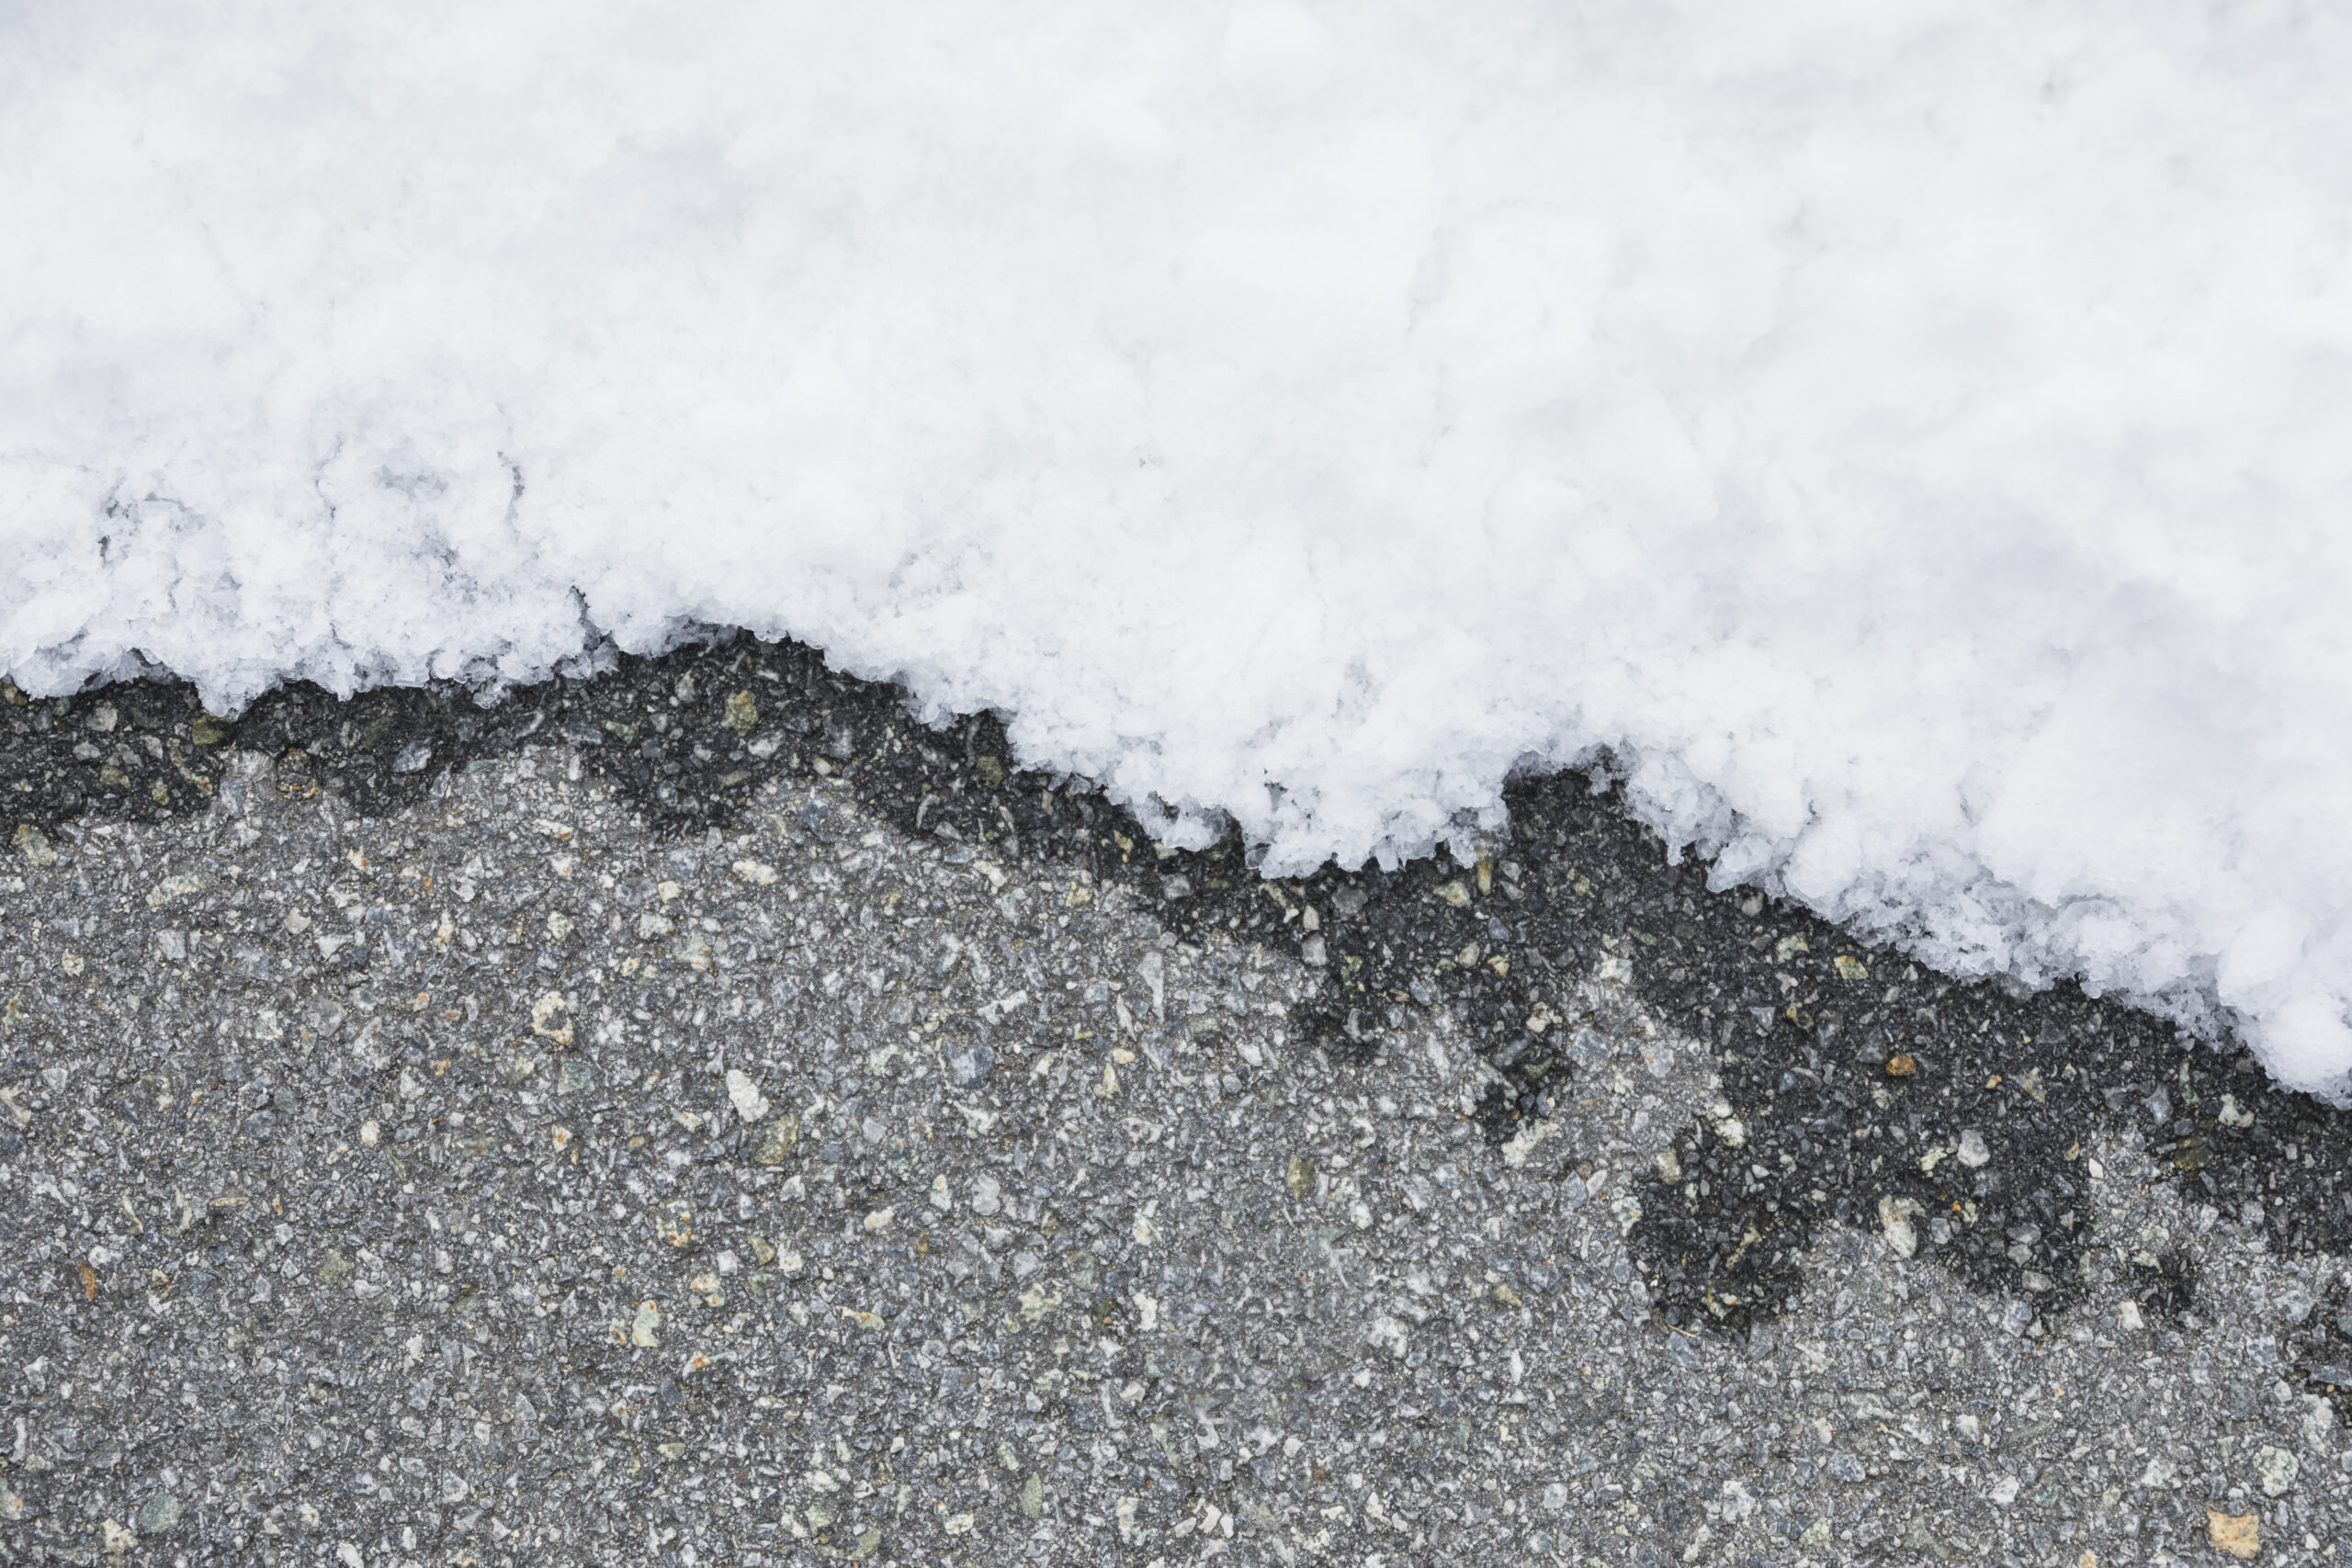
[696,1114]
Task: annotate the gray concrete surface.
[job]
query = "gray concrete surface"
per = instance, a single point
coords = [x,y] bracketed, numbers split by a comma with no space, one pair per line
[493,1183]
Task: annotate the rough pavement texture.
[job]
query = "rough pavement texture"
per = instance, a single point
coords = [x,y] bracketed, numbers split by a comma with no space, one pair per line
[698,1116]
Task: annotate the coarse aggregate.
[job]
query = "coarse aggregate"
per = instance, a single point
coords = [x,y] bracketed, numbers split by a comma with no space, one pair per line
[694,1112]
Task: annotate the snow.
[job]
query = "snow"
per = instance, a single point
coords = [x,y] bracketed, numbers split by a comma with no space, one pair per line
[1905,442]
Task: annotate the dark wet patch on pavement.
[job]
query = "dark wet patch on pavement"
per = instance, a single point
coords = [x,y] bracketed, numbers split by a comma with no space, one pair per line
[1856,1088]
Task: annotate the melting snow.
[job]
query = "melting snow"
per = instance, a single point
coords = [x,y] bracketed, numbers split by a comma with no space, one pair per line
[1906,441]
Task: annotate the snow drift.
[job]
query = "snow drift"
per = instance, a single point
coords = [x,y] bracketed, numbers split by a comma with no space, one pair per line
[1908,439]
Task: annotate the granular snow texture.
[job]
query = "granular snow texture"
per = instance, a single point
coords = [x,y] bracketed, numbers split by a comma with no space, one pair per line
[1904,442]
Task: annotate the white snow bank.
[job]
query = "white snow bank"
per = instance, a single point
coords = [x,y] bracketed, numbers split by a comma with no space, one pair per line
[1911,437]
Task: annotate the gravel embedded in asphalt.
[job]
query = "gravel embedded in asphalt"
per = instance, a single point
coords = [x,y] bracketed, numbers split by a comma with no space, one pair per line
[699,1115]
